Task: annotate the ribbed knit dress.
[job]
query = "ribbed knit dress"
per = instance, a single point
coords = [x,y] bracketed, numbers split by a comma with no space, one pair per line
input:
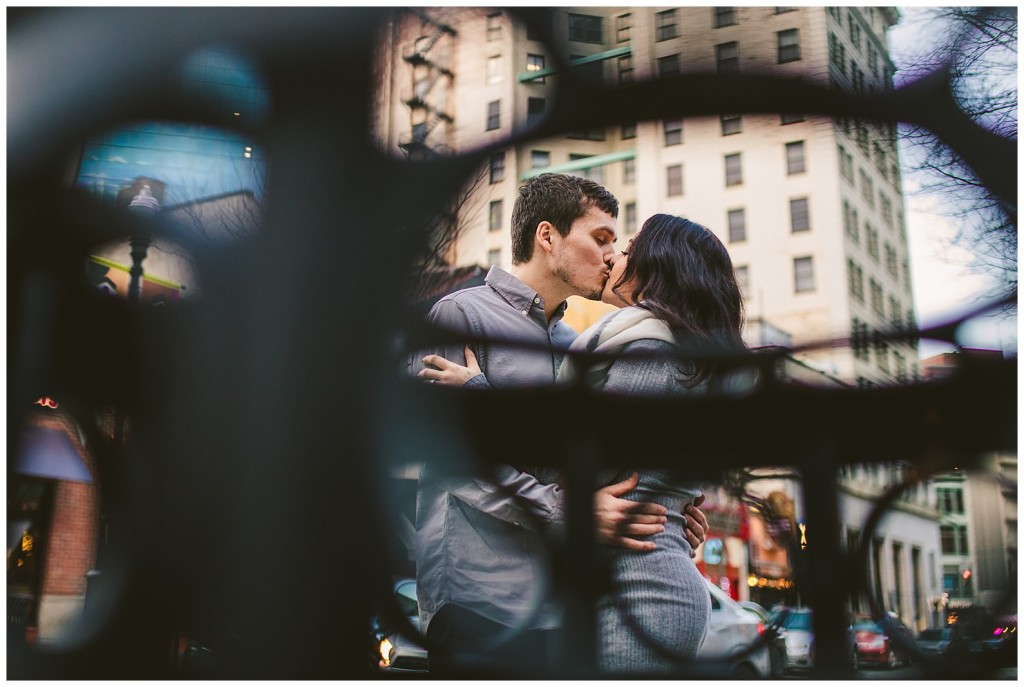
[660,599]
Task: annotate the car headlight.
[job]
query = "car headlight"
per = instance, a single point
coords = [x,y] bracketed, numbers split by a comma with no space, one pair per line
[385,651]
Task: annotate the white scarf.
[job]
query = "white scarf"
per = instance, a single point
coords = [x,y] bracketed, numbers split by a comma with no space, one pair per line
[610,335]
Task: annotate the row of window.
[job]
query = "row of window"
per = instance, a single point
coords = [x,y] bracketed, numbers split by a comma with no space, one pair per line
[898,319]
[851,227]
[799,220]
[889,361]
[803,275]
[585,28]
[873,54]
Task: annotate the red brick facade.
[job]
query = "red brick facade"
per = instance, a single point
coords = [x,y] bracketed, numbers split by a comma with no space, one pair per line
[74,524]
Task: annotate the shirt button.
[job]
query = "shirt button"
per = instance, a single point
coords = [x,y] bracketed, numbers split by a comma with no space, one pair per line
[526,312]
[536,300]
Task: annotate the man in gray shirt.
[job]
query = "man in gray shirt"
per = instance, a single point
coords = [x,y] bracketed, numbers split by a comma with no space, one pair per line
[478,550]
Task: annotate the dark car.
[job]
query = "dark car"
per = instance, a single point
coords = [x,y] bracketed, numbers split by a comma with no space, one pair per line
[882,646]
[941,641]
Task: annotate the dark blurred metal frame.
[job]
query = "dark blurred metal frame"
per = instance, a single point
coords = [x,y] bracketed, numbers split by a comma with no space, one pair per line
[240,511]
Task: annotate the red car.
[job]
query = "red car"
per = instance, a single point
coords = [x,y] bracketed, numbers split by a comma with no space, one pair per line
[874,645]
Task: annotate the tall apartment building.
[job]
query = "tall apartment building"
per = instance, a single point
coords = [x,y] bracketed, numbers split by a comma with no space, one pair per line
[811,208]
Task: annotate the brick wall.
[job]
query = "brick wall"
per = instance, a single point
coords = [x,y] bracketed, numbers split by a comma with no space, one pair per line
[74,526]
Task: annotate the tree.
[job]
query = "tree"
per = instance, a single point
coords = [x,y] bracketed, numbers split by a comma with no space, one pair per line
[978,49]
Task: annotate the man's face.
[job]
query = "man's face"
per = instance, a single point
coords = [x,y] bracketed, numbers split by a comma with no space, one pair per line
[583,258]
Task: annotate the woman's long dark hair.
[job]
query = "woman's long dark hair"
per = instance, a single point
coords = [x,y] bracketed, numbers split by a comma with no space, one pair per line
[683,274]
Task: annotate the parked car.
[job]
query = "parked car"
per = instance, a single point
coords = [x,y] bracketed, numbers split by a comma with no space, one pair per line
[796,626]
[941,641]
[393,651]
[733,629]
[875,644]
[777,645]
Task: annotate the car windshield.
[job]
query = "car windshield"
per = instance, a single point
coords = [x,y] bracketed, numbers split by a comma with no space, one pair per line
[797,621]
[406,595]
[867,626]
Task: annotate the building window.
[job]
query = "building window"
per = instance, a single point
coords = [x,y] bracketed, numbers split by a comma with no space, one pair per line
[789,45]
[534,111]
[674,180]
[850,222]
[594,134]
[799,215]
[540,159]
[954,539]
[795,158]
[837,53]
[628,131]
[497,167]
[743,279]
[724,16]
[727,57]
[668,65]
[622,26]
[891,262]
[949,500]
[901,366]
[673,131]
[494,72]
[626,69]
[629,171]
[737,225]
[895,313]
[867,188]
[733,170]
[494,256]
[886,207]
[535,63]
[803,274]
[630,218]
[791,118]
[584,28]
[665,25]
[854,27]
[493,115]
[872,239]
[595,174]
[732,124]
[846,164]
[877,301]
[855,274]
[495,219]
[494,26]
[859,341]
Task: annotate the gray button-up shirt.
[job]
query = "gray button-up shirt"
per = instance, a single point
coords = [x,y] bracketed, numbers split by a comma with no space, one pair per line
[475,545]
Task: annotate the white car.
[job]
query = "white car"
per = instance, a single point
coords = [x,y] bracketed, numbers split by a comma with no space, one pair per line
[731,631]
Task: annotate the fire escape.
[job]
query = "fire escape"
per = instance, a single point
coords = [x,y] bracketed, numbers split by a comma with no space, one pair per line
[429,97]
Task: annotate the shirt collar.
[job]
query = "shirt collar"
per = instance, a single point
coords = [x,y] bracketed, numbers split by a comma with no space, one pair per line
[519,295]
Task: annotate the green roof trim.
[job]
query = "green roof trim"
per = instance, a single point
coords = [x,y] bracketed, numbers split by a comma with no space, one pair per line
[582,163]
[606,55]
[148,277]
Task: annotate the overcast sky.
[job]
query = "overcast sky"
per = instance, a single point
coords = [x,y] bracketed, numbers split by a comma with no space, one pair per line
[944,285]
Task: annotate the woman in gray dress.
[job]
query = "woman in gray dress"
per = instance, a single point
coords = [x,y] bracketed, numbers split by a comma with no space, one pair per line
[676,290]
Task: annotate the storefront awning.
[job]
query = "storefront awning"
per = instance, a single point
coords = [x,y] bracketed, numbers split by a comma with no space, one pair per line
[47,452]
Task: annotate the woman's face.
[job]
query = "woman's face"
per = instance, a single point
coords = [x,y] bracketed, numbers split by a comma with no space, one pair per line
[625,292]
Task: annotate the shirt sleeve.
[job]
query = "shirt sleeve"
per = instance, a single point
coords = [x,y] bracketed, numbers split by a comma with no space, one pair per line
[514,496]
[451,315]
